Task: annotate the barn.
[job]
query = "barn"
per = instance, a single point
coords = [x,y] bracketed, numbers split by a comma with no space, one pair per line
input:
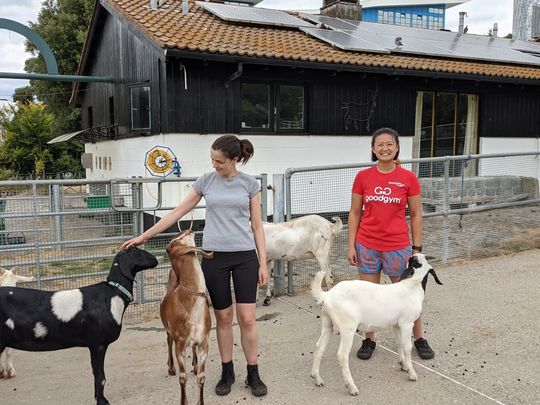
[306,89]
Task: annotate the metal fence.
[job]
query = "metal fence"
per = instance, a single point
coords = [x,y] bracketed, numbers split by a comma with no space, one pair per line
[66,232]
[474,206]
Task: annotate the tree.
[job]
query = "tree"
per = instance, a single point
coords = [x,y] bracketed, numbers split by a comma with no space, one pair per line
[63,24]
[25,151]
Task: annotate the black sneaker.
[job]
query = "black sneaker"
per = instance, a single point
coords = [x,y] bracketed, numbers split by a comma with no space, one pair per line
[258,388]
[223,387]
[366,350]
[424,351]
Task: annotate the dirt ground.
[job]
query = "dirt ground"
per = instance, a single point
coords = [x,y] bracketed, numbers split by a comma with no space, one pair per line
[482,324]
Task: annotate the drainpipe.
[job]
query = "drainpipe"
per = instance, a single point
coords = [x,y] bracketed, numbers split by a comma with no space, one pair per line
[234,76]
[462,15]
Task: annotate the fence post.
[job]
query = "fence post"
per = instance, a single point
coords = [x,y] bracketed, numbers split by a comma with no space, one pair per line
[56,208]
[279,216]
[138,228]
[446,208]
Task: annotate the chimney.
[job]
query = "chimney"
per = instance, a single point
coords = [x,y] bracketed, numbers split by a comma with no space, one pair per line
[155,4]
[346,9]
[185,7]
[462,15]
[495,30]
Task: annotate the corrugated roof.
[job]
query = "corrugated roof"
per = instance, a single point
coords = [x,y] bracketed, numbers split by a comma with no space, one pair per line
[200,31]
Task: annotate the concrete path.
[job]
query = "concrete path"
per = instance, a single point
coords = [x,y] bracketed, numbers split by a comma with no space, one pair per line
[483,324]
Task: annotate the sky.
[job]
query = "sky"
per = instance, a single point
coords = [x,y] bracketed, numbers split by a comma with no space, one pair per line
[481,14]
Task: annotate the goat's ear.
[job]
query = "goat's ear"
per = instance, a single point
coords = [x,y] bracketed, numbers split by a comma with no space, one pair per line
[208,255]
[432,271]
[2,271]
[15,269]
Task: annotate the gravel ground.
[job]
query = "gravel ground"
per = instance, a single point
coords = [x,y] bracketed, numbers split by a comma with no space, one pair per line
[482,324]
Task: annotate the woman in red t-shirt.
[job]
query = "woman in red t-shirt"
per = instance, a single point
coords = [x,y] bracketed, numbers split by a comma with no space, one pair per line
[380,241]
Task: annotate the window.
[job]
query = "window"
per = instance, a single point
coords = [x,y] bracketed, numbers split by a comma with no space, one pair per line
[255,106]
[291,108]
[446,126]
[275,107]
[140,107]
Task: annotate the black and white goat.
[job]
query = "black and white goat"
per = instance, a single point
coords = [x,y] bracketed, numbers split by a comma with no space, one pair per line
[303,238]
[91,316]
[370,307]
[8,278]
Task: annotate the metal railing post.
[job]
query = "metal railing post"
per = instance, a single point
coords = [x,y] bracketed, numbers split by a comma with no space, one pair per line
[279,210]
[446,209]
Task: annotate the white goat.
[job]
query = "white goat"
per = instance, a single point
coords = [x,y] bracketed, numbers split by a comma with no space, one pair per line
[8,278]
[370,307]
[303,238]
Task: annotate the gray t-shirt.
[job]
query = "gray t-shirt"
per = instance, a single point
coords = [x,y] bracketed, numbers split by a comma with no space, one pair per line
[227,221]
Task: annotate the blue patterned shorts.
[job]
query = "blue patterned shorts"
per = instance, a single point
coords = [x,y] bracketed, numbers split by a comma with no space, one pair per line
[392,263]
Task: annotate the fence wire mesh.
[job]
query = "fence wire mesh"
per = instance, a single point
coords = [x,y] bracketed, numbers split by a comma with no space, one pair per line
[66,233]
[474,206]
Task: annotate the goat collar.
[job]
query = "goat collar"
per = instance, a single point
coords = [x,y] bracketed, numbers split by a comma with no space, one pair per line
[122,289]
[198,294]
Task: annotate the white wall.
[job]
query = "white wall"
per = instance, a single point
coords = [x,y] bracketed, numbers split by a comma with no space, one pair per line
[522,166]
[273,155]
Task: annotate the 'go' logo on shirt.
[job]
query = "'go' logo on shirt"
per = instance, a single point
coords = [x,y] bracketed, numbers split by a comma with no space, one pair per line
[385,191]
[382,195]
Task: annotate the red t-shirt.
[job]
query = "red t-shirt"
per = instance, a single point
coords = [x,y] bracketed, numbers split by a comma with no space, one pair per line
[383,225]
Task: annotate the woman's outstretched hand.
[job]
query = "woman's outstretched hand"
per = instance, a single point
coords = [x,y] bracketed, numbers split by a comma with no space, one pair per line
[139,240]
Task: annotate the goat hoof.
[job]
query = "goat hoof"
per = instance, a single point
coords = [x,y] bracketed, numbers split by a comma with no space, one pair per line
[354,392]
[319,383]
[413,377]
[266,301]
[172,372]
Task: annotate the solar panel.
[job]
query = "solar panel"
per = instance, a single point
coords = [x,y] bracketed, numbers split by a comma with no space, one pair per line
[429,42]
[343,40]
[253,15]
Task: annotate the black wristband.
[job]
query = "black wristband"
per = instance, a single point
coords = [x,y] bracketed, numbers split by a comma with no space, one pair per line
[419,248]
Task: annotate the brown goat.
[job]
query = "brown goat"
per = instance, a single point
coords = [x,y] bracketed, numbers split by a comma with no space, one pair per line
[184,311]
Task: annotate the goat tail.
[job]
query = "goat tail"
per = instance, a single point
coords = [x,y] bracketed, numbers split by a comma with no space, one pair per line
[316,287]
[337,225]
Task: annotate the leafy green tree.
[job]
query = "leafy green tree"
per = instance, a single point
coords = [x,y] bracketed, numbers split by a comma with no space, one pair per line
[63,24]
[25,150]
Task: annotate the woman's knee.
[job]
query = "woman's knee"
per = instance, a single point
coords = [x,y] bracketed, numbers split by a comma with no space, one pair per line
[224,317]
[246,316]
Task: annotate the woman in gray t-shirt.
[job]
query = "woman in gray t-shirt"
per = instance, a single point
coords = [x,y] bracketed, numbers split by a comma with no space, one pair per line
[233,231]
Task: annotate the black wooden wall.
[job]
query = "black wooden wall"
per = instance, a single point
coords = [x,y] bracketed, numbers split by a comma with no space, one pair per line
[204,104]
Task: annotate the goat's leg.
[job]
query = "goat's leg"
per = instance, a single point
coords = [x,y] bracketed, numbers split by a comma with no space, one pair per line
[406,347]
[170,361]
[194,359]
[97,358]
[179,346]
[2,372]
[401,356]
[320,347]
[9,370]
[202,354]
[323,260]
[347,337]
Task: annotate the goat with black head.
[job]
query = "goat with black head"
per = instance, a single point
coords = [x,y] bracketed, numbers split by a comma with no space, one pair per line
[34,320]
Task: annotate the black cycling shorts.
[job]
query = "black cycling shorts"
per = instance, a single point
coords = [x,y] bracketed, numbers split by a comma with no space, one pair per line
[244,268]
